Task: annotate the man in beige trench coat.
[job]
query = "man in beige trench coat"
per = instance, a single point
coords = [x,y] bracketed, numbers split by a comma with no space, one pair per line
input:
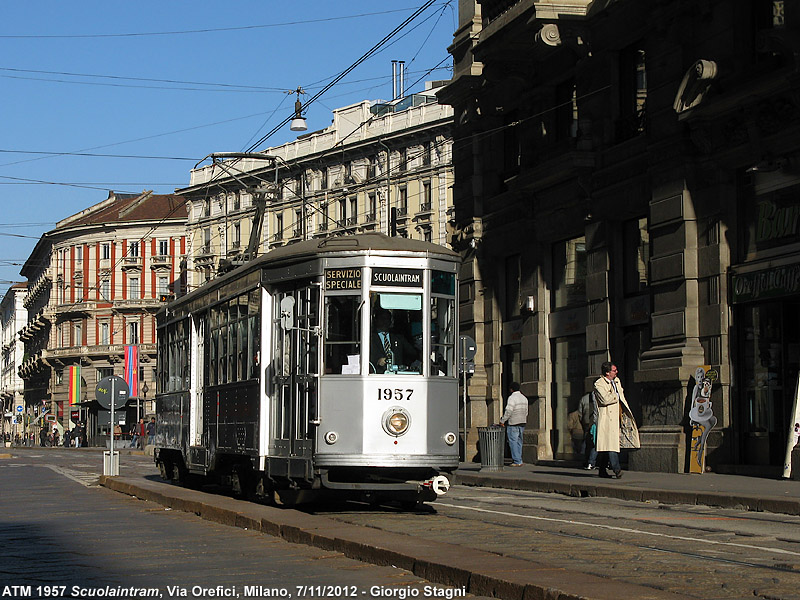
[609,395]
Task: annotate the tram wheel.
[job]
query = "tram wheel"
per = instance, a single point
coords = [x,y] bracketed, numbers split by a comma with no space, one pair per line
[165,470]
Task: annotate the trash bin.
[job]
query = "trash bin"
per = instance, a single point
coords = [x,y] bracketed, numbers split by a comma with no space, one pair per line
[492,444]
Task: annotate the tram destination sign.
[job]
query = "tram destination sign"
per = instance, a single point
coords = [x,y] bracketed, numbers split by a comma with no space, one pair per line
[397,277]
[342,279]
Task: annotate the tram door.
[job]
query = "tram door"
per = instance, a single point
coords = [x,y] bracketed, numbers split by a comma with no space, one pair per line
[295,384]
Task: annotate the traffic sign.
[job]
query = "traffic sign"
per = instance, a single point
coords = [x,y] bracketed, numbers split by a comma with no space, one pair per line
[103,392]
[19,408]
[50,418]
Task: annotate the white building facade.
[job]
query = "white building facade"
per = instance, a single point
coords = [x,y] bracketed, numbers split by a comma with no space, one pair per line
[379,167]
[12,400]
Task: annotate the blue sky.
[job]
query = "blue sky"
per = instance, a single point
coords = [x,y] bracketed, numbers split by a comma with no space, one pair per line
[160,85]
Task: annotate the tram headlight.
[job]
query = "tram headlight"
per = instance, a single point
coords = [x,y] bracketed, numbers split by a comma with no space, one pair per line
[396,421]
[450,438]
[331,437]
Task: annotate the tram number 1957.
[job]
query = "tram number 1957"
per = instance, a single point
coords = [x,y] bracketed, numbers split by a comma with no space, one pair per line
[395,394]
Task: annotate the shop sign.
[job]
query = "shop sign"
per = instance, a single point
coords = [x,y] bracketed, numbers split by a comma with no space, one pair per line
[568,322]
[769,283]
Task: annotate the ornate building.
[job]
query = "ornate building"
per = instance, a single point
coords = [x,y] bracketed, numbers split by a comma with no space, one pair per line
[378,167]
[627,185]
[95,284]
[12,317]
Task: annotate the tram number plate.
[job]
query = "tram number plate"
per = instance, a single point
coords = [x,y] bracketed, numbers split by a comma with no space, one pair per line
[394,394]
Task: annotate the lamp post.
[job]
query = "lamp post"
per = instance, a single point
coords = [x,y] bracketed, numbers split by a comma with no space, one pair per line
[145,389]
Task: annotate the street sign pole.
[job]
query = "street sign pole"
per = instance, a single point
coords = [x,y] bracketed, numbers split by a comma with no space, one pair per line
[109,391]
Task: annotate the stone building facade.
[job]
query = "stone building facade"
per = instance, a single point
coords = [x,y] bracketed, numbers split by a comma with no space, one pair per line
[627,185]
[12,402]
[95,284]
[335,181]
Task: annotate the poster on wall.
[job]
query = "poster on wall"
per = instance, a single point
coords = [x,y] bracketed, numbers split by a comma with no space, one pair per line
[794,432]
[701,417]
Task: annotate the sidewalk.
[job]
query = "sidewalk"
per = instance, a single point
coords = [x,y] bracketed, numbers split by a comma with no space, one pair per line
[709,489]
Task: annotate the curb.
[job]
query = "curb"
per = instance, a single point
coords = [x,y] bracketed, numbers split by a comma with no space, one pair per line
[781,505]
[477,572]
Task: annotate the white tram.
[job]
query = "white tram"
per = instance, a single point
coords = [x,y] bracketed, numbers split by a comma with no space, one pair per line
[273,378]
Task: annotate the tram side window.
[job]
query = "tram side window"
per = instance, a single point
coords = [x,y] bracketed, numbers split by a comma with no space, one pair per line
[233,340]
[443,323]
[173,357]
[342,335]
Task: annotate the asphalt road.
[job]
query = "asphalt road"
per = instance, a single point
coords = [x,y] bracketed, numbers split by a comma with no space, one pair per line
[691,550]
[62,536]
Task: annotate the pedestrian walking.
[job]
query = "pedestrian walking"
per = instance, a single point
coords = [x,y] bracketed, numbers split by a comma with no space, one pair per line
[587,408]
[514,420]
[609,395]
[151,431]
[67,438]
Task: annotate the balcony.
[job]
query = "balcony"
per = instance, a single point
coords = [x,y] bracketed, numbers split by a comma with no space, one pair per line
[80,307]
[137,304]
[160,261]
[131,262]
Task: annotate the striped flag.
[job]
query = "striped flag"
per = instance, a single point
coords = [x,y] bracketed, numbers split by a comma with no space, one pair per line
[74,384]
[132,369]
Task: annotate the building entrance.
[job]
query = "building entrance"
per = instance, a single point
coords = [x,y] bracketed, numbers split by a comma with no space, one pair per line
[770,353]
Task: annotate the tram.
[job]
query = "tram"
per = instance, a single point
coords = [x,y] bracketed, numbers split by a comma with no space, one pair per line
[325,367]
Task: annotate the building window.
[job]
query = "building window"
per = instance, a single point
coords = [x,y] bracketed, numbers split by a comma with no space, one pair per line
[402,202]
[342,212]
[133,249]
[105,331]
[426,154]
[237,235]
[635,255]
[566,111]
[372,215]
[163,247]
[105,250]
[78,291]
[133,332]
[278,226]
[427,196]
[403,166]
[353,211]
[105,289]
[633,92]
[237,201]
[323,178]
[79,253]
[206,249]
[569,272]
[163,286]
[77,333]
[206,207]
[298,223]
[512,286]
[133,287]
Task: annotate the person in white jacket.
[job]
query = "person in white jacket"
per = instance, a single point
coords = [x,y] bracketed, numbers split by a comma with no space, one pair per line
[514,420]
[609,396]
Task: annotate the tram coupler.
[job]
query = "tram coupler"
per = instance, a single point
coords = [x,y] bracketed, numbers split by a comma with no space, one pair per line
[439,484]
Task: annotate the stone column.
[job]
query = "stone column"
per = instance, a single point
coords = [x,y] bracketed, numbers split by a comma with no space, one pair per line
[670,363]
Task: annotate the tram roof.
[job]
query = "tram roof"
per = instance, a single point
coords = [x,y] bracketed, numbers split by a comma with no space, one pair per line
[364,243]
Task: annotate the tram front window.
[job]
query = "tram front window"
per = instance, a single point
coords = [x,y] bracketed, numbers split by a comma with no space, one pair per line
[396,326]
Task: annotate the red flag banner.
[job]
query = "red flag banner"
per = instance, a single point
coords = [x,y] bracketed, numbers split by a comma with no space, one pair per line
[132,369]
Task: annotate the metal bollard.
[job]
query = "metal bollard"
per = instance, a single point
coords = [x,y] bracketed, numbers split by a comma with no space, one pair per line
[492,444]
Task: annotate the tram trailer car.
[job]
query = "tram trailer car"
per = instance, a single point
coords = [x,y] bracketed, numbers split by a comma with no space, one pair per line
[274,379]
